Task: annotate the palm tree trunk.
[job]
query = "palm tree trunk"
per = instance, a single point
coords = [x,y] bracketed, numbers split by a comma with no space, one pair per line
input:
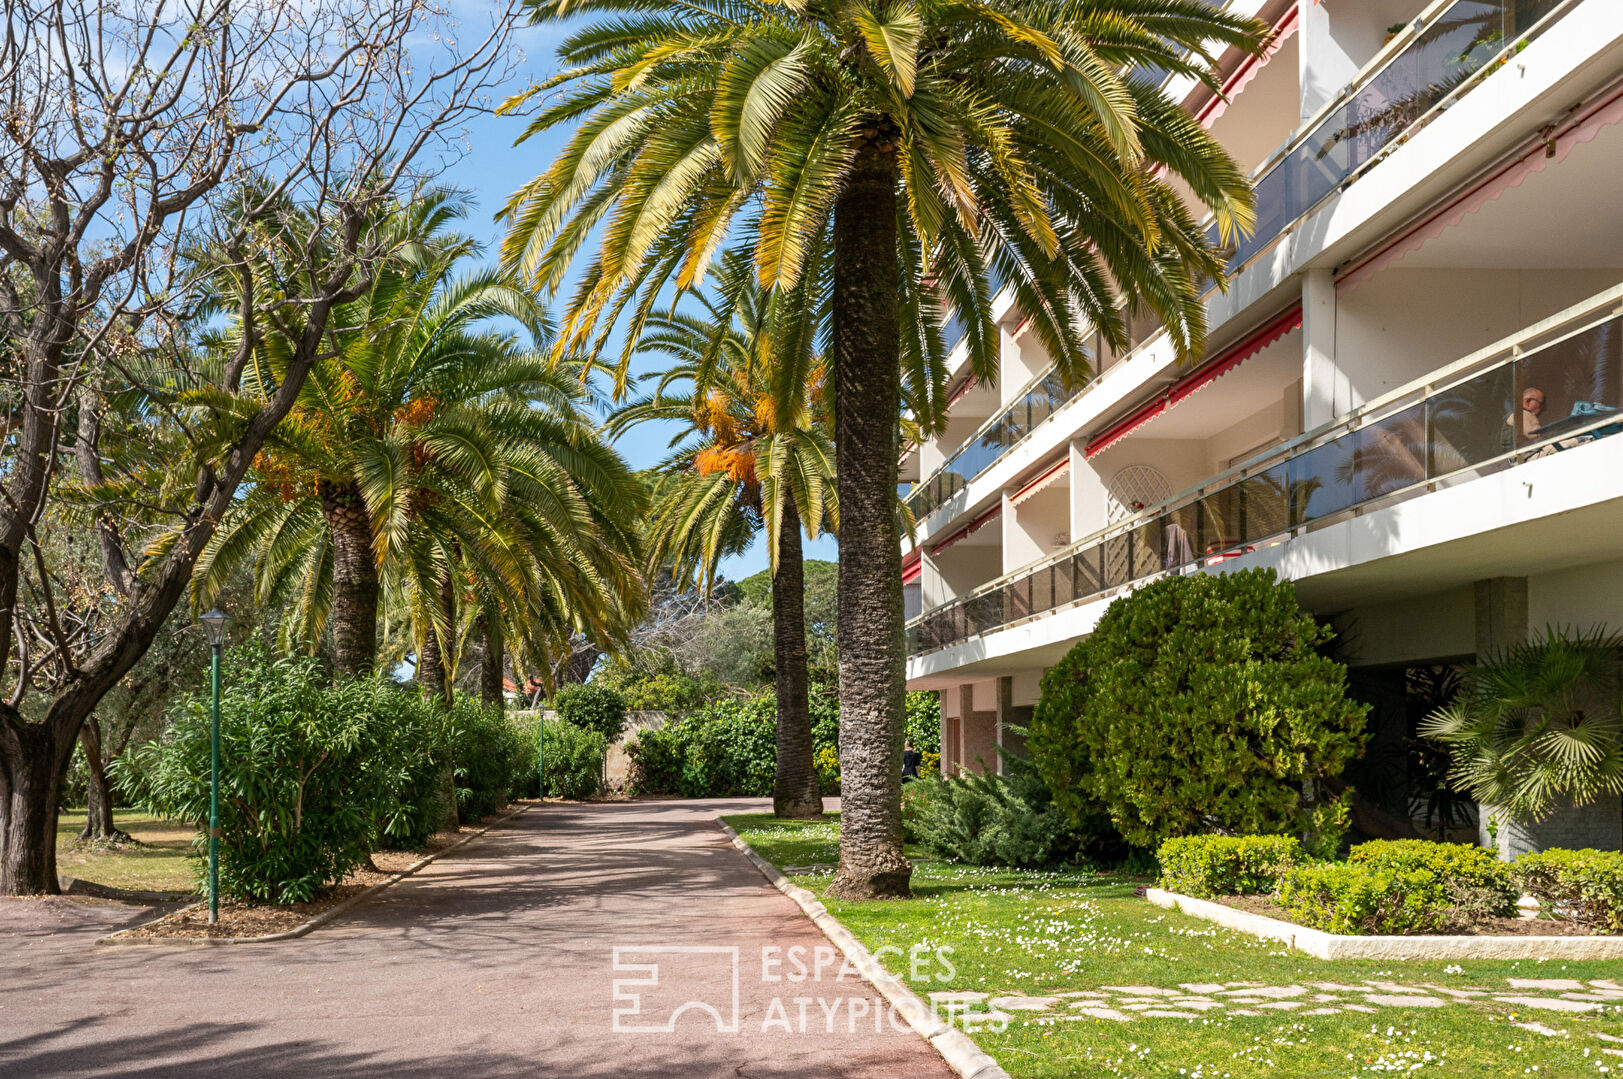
[794,791]
[434,682]
[492,659]
[354,578]
[867,402]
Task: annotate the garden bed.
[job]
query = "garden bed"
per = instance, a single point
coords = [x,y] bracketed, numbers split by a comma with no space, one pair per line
[1318,943]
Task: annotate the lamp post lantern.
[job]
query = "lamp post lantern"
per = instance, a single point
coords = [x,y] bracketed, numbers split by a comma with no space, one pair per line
[214,627]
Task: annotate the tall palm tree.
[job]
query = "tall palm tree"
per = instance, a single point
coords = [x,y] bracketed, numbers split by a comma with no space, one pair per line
[885,157]
[429,455]
[752,454]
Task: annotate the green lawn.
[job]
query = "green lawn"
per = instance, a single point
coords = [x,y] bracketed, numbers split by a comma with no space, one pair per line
[1037,934]
[158,864]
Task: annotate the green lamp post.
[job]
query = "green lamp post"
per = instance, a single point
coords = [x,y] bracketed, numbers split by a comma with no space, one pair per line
[214,626]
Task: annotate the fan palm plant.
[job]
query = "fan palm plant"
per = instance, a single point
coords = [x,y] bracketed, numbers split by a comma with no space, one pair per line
[885,158]
[437,462]
[752,454]
[1538,726]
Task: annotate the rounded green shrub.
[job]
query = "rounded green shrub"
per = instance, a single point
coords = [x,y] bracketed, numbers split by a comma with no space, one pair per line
[1585,886]
[572,760]
[486,750]
[593,708]
[1349,898]
[1200,703]
[1211,865]
[988,820]
[1476,881]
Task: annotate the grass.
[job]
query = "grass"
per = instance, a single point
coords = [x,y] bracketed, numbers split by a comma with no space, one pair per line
[159,863]
[1042,933]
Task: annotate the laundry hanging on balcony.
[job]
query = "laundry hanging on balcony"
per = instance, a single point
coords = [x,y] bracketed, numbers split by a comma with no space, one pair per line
[1199,380]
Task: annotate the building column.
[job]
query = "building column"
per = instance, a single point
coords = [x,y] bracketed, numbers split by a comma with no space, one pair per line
[1325,392]
[1501,615]
[1325,66]
[1008,712]
[977,733]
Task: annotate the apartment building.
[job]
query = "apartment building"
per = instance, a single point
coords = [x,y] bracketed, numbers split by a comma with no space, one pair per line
[1406,402]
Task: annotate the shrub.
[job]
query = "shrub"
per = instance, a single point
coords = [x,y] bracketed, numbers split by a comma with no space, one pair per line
[410,765]
[1212,865]
[729,749]
[668,691]
[1583,885]
[1348,897]
[593,708]
[1477,883]
[1005,819]
[573,759]
[525,781]
[307,772]
[924,722]
[655,761]
[486,750]
[1199,703]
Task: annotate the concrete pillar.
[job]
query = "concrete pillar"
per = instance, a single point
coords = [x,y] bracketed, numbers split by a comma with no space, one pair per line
[1325,65]
[1325,390]
[978,732]
[1501,615]
[1009,712]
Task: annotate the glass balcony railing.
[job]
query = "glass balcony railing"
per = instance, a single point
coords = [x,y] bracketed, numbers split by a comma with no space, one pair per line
[1441,61]
[1553,388]
[1436,65]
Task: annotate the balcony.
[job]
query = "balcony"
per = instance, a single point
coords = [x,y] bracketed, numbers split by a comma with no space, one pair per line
[1459,423]
[1425,69]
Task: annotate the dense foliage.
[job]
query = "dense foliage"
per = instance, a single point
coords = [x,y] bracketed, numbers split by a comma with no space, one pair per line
[1200,703]
[1211,865]
[490,754]
[572,759]
[1348,897]
[311,774]
[1583,885]
[592,707]
[1007,819]
[666,690]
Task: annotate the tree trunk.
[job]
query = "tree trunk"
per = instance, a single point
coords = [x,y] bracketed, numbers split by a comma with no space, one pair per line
[99,800]
[34,759]
[794,792]
[867,404]
[434,682]
[492,660]
[354,578]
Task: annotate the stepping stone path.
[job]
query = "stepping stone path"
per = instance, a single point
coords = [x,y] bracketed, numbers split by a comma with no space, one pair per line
[1195,1000]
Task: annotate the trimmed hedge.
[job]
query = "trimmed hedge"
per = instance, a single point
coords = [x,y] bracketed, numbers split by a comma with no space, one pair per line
[1205,866]
[1346,897]
[1477,883]
[592,707]
[1583,885]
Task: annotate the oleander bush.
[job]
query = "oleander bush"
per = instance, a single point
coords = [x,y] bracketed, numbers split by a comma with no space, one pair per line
[572,757]
[1585,886]
[1349,897]
[1212,865]
[592,707]
[1477,883]
[1201,703]
[487,751]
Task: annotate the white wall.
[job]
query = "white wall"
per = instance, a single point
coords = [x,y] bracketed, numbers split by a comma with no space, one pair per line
[1024,358]
[1439,626]
[1403,323]
[1338,38]
[965,566]
[1263,116]
[1579,598]
[1029,529]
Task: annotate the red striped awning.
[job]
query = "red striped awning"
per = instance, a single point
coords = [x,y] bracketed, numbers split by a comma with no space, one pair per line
[958,394]
[912,567]
[971,527]
[1047,476]
[1199,380]
[1249,68]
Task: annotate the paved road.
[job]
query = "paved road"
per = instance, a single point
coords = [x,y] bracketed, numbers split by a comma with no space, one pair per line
[497,960]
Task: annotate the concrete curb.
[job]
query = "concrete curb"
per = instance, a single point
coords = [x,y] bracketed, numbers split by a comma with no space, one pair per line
[1322,945]
[956,1048]
[118,939]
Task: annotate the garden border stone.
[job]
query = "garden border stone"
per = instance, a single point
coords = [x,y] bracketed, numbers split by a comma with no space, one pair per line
[1322,945]
[119,939]
[956,1048]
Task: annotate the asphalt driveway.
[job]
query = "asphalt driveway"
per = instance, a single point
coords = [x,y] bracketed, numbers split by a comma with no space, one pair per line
[577,941]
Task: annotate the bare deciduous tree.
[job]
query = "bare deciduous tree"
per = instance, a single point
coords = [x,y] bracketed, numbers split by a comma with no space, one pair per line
[130,134]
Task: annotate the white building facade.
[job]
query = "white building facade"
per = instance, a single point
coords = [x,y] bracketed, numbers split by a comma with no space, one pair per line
[1406,402]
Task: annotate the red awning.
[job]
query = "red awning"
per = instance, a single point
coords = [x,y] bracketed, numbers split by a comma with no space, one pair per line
[958,394]
[1199,380]
[912,567]
[1047,476]
[965,531]
[1249,68]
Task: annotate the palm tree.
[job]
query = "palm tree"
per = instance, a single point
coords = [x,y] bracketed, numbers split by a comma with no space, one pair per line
[883,159]
[430,455]
[753,454]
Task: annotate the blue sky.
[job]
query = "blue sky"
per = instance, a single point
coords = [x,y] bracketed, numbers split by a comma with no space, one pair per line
[492,168]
